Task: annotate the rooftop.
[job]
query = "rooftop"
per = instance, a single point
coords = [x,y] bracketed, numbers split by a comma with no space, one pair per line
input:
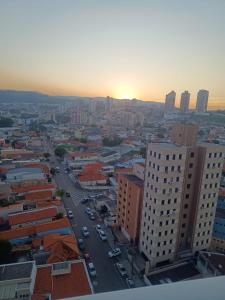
[30,216]
[173,274]
[134,179]
[16,271]
[72,284]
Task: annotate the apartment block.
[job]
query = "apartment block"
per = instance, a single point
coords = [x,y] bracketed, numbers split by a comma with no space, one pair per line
[180,193]
[129,205]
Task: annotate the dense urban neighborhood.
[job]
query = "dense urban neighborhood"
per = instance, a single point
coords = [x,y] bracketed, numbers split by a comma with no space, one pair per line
[99,194]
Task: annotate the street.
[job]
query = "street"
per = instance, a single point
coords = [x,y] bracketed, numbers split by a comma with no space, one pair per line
[108,278]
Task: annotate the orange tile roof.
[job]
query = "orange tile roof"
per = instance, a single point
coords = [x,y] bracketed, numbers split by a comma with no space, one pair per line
[43,195]
[62,286]
[31,216]
[47,203]
[3,170]
[91,177]
[30,230]
[82,154]
[61,247]
[93,167]
[32,188]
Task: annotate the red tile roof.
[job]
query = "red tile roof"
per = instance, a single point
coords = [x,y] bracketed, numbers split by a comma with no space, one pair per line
[91,177]
[32,188]
[31,216]
[61,247]
[30,230]
[42,195]
[72,284]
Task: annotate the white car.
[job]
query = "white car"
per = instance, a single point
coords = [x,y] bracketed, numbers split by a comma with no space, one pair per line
[102,235]
[92,270]
[98,227]
[120,267]
[114,252]
[70,214]
[85,231]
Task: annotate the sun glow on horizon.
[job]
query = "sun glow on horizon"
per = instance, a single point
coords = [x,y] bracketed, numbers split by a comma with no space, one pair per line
[125,92]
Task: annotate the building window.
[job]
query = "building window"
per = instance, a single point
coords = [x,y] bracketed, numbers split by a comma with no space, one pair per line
[174,156]
[191,165]
[180,156]
[192,154]
[167,157]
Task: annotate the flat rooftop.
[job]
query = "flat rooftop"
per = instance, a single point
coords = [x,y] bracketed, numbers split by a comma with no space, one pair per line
[174,274]
[134,179]
[16,271]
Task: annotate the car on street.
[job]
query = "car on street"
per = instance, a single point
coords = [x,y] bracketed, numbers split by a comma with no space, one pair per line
[70,214]
[98,227]
[68,194]
[57,169]
[81,245]
[121,269]
[84,200]
[88,210]
[85,231]
[102,235]
[130,283]
[114,252]
[92,216]
[91,269]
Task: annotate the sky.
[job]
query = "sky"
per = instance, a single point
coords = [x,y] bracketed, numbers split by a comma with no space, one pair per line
[122,48]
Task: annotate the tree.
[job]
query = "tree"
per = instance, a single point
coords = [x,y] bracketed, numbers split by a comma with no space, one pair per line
[52,171]
[46,155]
[5,250]
[59,215]
[60,151]
[6,122]
[60,193]
[111,142]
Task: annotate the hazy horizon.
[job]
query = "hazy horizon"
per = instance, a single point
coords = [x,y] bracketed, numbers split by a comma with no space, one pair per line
[123,49]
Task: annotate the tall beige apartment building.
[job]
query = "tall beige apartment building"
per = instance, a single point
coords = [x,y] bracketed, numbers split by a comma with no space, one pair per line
[180,194]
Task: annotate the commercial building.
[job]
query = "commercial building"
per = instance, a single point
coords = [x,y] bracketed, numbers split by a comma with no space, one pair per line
[180,194]
[170,102]
[184,101]
[202,101]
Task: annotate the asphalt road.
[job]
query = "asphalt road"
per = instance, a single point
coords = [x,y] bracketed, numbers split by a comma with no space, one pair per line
[108,278]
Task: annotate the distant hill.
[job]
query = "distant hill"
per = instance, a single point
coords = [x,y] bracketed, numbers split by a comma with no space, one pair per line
[10,96]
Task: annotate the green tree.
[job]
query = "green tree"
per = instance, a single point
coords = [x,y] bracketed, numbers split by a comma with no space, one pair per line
[111,142]
[46,155]
[60,151]
[52,171]
[59,215]
[5,250]
[6,122]
[60,193]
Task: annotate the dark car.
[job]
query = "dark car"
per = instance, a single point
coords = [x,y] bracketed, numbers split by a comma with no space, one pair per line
[92,216]
[68,194]
[81,244]
[84,200]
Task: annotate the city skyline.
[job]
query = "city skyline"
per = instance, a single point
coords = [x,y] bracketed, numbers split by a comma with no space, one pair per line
[124,49]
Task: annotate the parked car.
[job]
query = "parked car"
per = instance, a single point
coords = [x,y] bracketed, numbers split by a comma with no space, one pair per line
[130,283]
[114,252]
[121,269]
[91,269]
[85,231]
[68,194]
[87,257]
[84,200]
[70,214]
[98,227]
[88,210]
[81,245]
[102,235]
[92,216]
